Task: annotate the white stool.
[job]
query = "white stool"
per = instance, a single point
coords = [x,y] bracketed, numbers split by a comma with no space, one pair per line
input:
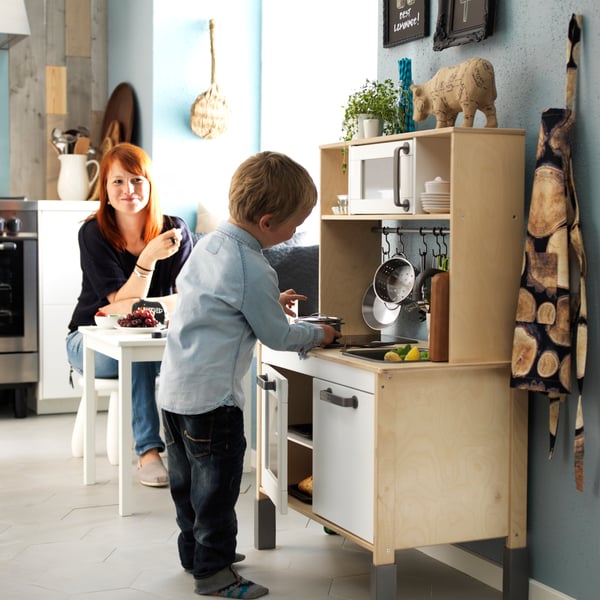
[102,387]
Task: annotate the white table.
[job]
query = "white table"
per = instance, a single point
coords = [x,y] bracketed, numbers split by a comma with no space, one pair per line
[126,348]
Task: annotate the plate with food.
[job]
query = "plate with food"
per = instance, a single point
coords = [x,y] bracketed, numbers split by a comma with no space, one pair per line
[140,329]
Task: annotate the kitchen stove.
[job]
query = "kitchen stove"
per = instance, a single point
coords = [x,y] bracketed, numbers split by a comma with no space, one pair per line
[19,362]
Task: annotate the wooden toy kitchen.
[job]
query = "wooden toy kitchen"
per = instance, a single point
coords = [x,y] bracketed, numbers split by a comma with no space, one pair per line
[420,453]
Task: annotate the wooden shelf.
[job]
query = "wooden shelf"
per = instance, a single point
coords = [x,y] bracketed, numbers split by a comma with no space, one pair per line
[299,439]
[486,221]
[306,510]
[389,217]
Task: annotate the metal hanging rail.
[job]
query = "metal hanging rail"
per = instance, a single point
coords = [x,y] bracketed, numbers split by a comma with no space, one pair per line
[421,230]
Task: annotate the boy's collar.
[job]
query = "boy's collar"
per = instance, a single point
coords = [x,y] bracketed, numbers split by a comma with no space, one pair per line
[240,233]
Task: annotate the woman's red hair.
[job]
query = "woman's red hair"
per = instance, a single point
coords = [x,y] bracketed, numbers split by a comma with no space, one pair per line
[134,160]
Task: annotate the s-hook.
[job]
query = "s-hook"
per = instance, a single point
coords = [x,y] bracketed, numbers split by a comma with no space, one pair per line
[400,247]
[386,252]
[423,253]
[437,234]
[422,234]
[444,243]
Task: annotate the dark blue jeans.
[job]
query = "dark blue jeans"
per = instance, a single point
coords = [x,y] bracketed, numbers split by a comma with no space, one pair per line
[205,459]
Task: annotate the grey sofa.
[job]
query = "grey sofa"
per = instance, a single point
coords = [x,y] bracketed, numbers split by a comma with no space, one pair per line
[297,267]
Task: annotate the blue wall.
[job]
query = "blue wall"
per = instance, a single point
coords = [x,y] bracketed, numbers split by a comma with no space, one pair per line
[168,67]
[528,51]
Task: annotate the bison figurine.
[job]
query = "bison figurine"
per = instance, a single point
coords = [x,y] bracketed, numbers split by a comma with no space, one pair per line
[466,87]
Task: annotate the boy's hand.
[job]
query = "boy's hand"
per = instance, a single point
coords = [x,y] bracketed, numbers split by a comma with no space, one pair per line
[287,299]
[331,334]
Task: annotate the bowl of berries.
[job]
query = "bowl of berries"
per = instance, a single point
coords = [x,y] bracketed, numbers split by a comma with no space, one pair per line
[106,321]
[139,320]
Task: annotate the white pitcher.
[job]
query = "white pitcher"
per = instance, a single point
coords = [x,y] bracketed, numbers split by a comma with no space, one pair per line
[74,182]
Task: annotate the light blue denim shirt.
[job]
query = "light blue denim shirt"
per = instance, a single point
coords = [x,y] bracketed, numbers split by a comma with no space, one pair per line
[228,298]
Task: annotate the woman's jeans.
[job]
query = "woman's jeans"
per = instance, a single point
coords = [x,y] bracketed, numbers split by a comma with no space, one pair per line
[145,419]
[206,459]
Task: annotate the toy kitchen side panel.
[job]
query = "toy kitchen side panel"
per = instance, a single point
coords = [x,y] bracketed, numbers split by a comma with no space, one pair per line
[303,435]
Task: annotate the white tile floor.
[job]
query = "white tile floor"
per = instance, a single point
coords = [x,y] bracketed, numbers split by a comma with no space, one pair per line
[61,540]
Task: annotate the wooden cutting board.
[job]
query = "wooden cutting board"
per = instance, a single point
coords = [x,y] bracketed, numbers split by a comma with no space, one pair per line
[439,317]
[120,108]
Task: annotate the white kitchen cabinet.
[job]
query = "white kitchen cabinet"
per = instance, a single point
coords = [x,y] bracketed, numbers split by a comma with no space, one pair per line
[59,286]
[344,456]
[447,459]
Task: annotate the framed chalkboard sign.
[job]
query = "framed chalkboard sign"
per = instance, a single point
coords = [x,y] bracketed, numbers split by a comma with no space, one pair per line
[404,20]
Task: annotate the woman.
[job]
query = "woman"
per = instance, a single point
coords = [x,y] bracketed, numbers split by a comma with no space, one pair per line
[129,251]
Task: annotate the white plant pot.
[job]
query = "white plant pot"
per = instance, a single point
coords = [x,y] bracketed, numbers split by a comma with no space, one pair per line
[372,128]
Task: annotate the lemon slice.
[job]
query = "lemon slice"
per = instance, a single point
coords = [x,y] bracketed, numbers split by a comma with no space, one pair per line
[413,354]
[391,355]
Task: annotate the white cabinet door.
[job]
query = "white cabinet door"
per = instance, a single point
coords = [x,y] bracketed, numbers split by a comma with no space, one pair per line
[54,366]
[274,420]
[60,272]
[343,456]
[59,286]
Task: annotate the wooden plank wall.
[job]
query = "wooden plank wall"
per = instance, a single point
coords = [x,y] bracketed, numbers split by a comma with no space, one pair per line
[58,78]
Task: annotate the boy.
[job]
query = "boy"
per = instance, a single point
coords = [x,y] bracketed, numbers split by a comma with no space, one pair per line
[228,298]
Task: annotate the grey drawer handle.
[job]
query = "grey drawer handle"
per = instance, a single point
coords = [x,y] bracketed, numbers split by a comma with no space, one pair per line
[328,396]
[264,383]
[8,246]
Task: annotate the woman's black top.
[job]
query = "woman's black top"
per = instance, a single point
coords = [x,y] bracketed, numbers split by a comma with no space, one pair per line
[106,270]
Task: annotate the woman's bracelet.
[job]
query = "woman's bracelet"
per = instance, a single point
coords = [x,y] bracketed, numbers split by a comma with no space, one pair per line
[141,275]
[144,268]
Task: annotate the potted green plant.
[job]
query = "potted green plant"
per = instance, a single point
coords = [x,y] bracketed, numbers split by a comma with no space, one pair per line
[374,99]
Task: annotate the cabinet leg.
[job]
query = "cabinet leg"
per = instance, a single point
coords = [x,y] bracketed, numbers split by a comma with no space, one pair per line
[20,408]
[384,582]
[264,524]
[515,574]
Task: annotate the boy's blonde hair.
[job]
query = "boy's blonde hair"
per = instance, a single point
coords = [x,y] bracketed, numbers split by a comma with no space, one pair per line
[270,183]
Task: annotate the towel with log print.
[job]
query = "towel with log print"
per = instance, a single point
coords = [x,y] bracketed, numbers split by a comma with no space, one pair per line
[552,309]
